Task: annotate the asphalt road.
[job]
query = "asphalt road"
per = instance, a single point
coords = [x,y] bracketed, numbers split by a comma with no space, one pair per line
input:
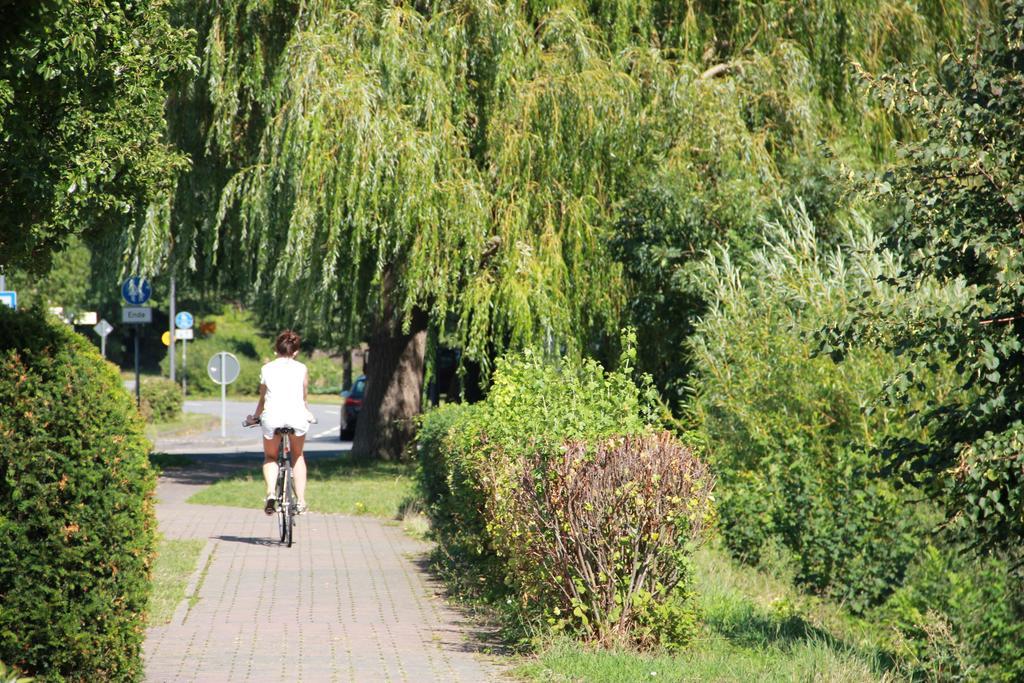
[322,437]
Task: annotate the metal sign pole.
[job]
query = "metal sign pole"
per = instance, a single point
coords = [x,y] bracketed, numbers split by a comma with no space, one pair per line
[138,391]
[171,326]
[184,366]
[103,346]
[223,399]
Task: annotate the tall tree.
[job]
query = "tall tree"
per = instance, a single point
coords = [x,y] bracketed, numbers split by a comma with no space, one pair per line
[82,88]
[460,164]
[416,166]
[959,195]
[777,110]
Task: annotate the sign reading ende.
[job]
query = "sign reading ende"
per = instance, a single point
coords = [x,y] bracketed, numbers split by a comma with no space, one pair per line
[136,315]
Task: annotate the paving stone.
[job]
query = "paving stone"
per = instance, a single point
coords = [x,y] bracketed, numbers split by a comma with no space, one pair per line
[346,602]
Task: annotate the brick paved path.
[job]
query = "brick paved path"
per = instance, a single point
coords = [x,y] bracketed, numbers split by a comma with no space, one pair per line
[346,603]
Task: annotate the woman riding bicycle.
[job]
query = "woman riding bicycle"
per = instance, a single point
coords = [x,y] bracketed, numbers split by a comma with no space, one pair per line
[284,385]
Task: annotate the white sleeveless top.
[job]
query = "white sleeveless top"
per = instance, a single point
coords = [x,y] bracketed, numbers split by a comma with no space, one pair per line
[284,405]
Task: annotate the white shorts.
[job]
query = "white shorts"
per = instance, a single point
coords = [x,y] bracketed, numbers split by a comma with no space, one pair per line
[268,429]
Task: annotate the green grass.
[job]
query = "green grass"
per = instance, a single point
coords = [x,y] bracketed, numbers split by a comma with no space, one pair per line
[332,399]
[756,627]
[161,461]
[183,425]
[175,562]
[380,489]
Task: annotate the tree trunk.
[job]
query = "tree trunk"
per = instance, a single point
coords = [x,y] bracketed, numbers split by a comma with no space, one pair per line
[346,373]
[394,387]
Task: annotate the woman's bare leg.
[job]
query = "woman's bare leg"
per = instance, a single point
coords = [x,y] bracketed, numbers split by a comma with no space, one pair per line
[270,447]
[299,466]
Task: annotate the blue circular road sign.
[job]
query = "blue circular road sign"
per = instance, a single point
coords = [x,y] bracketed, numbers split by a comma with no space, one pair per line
[183,320]
[136,290]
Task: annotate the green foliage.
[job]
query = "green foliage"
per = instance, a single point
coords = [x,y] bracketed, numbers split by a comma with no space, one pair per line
[589,534]
[325,373]
[76,517]
[791,433]
[833,34]
[461,212]
[960,617]
[768,110]
[432,466]
[533,404]
[742,146]
[236,333]
[10,675]
[600,536]
[161,400]
[65,285]
[82,90]
[959,198]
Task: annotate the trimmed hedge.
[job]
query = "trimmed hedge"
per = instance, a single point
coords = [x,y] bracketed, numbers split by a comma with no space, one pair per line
[76,517]
[556,492]
[161,400]
[532,405]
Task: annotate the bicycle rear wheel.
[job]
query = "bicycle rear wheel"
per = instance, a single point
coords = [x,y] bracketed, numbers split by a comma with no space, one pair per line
[283,483]
[292,502]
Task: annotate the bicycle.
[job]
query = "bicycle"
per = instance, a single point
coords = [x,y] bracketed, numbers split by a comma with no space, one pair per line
[287,503]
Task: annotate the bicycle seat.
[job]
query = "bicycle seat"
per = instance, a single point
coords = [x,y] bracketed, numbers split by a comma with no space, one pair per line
[284,430]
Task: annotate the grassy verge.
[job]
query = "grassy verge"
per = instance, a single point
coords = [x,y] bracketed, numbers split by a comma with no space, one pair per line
[330,399]
[161,461]
[183,425]
[756,627]
[380,489]
[175,562]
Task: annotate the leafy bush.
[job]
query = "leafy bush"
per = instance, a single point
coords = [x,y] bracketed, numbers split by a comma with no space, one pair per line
[76,518]
[325,373]
[161,400]
[493,472]
[236,332]
[532,404]
[602,536]
[432,469]
[792,432]
[9,675]
[961,618]
[958,199]
[795,447]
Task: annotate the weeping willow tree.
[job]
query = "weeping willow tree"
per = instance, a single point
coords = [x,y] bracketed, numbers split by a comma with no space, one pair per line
[777,114]
[371,170]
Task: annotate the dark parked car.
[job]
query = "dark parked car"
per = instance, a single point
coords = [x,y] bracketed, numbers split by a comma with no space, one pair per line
[350,408]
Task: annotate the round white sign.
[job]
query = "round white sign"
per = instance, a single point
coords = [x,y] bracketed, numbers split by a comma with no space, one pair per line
[223,368]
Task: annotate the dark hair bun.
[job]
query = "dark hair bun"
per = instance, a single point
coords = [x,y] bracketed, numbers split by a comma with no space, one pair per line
[287,343]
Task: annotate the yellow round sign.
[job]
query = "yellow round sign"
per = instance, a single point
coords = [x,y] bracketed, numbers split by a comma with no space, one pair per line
[166,338]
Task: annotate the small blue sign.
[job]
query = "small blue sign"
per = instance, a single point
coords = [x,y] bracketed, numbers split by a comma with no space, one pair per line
[136,290]
[9,299]
[183,320]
